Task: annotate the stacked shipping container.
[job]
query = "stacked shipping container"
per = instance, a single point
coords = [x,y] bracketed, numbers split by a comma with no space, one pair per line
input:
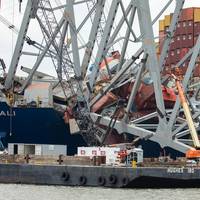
[186,34]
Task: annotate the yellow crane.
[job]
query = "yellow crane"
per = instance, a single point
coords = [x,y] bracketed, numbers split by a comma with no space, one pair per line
[193,153]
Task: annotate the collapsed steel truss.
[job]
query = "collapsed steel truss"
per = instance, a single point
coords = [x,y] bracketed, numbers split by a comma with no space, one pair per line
[170,127]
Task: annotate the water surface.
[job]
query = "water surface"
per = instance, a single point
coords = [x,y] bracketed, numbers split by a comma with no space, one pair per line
[31,192]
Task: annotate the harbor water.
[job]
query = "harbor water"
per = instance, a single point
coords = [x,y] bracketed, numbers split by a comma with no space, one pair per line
[32,192]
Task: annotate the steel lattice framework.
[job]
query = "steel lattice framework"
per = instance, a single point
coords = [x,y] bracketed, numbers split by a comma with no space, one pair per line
[170,127]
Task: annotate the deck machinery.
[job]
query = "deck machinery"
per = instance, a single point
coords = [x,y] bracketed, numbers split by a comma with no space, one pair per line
[112,22]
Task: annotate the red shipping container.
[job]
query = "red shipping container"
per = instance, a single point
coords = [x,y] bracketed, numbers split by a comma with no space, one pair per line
[182,16]
[196,28]
[186,27]
[173,60]
[107,99]
[197,71]
[178,54]
[178,28]
[172,57]
[187,14]
[184,69]
[177,41]
[189,27]
[183,52]
[184,41]
[183,28]
[189,42]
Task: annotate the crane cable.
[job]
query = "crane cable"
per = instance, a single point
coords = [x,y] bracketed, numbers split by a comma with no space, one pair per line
[20,5]
[11,95]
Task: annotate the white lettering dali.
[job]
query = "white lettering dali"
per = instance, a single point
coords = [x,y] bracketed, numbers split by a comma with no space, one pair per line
[7,113]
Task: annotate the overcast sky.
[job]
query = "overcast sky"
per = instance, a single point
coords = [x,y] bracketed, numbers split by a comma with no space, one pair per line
[9,10]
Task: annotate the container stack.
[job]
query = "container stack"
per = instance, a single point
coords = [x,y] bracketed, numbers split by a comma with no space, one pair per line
[185,37]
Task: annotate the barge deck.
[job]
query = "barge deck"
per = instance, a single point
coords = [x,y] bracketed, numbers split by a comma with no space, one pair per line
[101,176]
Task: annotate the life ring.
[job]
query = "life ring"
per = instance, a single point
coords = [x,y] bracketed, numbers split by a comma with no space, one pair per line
[65,176]
[112,179]
[101,181]
[125,181]
[82,180]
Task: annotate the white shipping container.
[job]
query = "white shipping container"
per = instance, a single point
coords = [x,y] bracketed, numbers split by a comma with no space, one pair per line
[20,149]
[38,150]
[51,147]
[111,153]
[55,150]
[10,149]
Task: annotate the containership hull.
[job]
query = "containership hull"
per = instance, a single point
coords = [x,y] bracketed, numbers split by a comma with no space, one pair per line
[46,126]
[36,126]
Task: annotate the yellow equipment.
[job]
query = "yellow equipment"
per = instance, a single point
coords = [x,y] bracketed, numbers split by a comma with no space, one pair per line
[192,153]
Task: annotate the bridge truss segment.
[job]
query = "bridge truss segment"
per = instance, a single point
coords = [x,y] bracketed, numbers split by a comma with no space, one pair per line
[169,128]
